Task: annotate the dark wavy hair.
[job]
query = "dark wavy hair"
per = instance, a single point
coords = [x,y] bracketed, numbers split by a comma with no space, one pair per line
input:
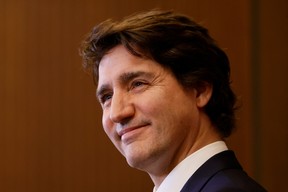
[176,42]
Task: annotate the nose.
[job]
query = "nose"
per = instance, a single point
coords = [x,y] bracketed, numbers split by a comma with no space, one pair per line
[121,109]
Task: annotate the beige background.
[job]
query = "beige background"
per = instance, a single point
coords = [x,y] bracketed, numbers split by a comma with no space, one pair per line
[51,138]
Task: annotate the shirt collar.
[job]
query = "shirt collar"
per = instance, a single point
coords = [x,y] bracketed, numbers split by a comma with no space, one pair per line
[177,178]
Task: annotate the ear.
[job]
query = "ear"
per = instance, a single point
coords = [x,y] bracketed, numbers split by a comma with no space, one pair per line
[204,93]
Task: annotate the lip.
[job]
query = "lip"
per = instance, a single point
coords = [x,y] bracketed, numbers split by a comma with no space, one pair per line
[130,132]
[128,129]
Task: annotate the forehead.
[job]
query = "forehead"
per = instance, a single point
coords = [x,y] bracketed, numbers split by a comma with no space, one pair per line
[116,55]
[119,60]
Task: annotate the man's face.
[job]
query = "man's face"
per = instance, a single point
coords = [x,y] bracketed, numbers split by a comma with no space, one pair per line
[147,114]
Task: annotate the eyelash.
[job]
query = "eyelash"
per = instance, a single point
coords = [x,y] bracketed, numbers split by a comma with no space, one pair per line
[105,97]
[137,84]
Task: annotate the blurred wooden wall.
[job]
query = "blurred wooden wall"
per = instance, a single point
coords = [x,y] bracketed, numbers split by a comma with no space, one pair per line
[51,138]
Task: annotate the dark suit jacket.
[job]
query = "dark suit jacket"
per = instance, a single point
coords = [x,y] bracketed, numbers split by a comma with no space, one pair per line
[221,173]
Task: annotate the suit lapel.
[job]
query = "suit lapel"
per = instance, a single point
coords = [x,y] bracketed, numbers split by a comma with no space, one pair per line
[221,161]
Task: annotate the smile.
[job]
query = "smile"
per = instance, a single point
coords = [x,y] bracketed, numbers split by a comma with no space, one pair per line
[130,133]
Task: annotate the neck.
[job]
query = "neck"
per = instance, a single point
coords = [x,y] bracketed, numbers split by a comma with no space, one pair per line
[204,137]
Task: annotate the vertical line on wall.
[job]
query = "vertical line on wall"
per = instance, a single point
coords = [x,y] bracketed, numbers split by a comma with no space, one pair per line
[256,94]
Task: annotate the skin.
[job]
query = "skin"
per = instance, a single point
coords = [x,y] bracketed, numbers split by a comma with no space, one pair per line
[147,114]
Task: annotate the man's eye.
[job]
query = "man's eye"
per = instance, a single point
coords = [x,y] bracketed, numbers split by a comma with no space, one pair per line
[105,98]
[137,84]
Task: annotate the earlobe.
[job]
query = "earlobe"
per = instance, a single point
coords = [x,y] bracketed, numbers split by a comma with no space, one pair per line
[204,94]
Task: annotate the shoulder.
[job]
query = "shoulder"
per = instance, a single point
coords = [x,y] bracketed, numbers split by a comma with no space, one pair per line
[232,180]
[221,172]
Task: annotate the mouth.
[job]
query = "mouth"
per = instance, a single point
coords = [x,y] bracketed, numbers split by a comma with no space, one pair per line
[128,129]
[130,132]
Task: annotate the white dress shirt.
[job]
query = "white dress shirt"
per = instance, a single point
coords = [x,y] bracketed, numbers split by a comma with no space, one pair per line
[177,178]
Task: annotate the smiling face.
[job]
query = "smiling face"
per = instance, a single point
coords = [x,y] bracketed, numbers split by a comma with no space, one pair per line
[147,114]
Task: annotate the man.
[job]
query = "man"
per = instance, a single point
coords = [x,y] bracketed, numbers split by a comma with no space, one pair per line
[164,88]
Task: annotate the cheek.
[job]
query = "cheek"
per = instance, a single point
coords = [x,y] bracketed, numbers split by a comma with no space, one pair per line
[109,128]
[107,124]
[157,104]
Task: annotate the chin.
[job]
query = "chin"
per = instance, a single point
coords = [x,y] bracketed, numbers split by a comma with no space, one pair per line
[136,160]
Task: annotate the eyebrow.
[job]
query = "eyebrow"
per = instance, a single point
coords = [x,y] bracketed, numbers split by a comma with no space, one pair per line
[127,77]
[124,79]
